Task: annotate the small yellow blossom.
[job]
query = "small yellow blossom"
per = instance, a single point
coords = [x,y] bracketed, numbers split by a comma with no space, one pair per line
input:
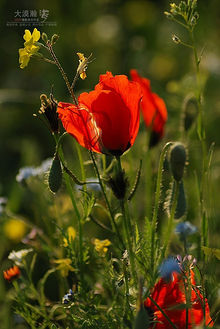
[15,229]
[173,5]
[64,266]
[71,234]
[101,246]
[83,64]
[29,47]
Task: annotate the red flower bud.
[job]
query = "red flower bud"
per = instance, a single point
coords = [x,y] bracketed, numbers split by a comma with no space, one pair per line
[153,107]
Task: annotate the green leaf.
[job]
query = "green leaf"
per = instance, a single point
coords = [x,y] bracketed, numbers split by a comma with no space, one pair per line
[42,282]
[211,252]
[53,326]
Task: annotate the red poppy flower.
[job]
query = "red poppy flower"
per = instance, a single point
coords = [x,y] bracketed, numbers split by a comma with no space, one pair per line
[12,273]
[106,119]
[170,296]
[153,107]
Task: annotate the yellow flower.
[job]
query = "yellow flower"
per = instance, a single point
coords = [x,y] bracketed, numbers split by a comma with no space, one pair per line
[71,234]
[64,266]
[15,229]
[29,47]
[172,5]
[83,63]
[101,246]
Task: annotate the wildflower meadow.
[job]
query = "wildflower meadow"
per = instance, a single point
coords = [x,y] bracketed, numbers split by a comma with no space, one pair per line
[109,174]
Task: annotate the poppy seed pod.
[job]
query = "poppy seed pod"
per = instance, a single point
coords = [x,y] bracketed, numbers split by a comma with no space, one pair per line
[177,160]
[190,110]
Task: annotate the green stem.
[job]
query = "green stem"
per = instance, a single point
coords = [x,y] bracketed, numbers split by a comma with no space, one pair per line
[179,22]
[127,227]
[70,191]
[127,303]
[157,201]
[148,184]
[128,235]
[171,219]
[104,162]
[74,80]
[50,48]
[202,138]
[112,219]
[83,175]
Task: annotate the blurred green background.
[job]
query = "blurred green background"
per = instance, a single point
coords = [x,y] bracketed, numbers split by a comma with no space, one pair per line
[121,35]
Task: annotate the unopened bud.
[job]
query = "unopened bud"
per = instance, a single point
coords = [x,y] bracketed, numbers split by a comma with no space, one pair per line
[44,37]
[177,160]
[44,99]
[196,15]
[194,4]
[55,175]
[49,110]
[176,39]
[168,15]
[118,182]
[181,202]
[190,111]
[193,21]
[54,39]
[174,9]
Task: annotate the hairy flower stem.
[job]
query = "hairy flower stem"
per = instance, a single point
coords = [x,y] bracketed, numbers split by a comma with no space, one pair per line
[156,204]
[171,219]
[70,191]
[127,303]
[112,219]
[128,235]
[202,138]
[127,228]
[83,174]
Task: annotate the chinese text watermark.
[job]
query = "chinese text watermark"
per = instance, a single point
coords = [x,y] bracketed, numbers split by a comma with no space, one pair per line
[31,17]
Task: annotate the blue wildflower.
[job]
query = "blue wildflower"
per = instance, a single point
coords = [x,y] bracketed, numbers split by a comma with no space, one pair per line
[185,229]
[68,297]
[24,173]
[169,266]
[93,184]
[27,172]
[45,166]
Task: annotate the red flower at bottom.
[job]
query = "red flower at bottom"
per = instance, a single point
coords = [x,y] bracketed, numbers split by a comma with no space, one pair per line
[12,273]
[170,296]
